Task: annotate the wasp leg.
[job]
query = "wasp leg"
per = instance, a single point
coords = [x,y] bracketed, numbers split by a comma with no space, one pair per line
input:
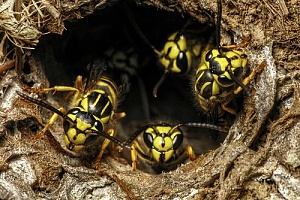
[257,70]
[79,86]
[244,43]
[113,146]
[134,155]
[190,152]
[50,123]
[72,90]
[104,145]
[119,115]
[116,116]
[203,103]
[54,89]
[230,110]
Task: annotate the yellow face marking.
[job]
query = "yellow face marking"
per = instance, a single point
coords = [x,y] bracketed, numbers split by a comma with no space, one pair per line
[165,62]
[215,53]
[163,144]
[160,129]
[78,148]
[67,141]
[163,139]
[168,155]
[156,155]
[175,69]
[174,51]
[73,117]
[75,137]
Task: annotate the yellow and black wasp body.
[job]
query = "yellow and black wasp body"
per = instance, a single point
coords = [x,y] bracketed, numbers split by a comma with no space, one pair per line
[180,51]
[161,145]
[214,84]
[221,74]
[91,112]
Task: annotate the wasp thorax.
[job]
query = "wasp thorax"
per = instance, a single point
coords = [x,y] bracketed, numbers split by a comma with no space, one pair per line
[98,104]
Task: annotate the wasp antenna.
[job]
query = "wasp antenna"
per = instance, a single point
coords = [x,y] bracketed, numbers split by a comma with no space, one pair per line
[203,125]
[137,29]
[237,81]
[113,139]
[43,104]
[218,27]
[135,134]
[158,84]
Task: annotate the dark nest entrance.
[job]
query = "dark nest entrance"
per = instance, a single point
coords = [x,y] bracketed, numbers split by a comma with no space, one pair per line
[259,157]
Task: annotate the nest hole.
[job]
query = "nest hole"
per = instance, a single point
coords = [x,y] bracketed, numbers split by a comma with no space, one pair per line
[109,29]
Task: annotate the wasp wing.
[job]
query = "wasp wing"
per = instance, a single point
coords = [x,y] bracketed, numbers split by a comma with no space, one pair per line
[96,68]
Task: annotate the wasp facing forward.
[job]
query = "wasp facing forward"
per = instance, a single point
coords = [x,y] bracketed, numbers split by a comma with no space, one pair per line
[161,145]
[92,110]
[221,74]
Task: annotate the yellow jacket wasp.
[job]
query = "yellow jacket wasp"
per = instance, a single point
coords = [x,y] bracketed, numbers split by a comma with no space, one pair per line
[161,145]
[220,74]
[92,110]
[178,55]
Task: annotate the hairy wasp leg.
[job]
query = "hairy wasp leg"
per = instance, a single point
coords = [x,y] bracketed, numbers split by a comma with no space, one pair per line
[246,80]
[244,43]
[230,110]
[104,145]
[190,152]
[50,123]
